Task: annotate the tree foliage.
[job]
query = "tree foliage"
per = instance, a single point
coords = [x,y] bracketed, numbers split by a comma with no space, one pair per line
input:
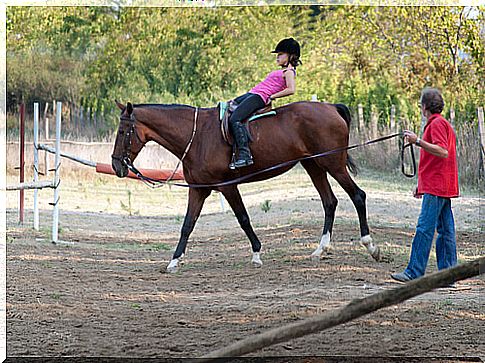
[352,54]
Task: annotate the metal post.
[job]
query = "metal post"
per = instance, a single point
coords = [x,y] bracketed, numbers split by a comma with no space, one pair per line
[393,118]
[452,116]
[481,130]
[36,165]
[22,161]
[55,216]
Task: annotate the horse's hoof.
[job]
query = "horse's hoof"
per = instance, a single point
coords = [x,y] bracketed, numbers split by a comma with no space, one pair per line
[365,240]
[172,267]
[328,249]
[172,270]
[256,260]
[376,254]
[315,256]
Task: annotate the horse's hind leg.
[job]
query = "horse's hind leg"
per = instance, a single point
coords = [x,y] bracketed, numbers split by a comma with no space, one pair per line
[197,196]
[357,196]
[231,193]
[329,201]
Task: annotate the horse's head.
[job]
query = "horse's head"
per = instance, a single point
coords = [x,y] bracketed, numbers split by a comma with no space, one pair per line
[128,143]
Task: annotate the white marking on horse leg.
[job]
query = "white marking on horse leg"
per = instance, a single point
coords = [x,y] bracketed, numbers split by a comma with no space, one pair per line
[173,265]
[324,245]
[256,260]
[371,247]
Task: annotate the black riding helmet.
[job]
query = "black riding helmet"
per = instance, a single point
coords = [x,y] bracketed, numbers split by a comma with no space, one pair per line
[288,45]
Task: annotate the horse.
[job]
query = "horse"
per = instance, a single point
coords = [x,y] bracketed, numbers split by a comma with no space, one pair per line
[194,136]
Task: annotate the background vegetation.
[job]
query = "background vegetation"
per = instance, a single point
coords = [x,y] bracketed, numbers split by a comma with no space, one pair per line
[371,55]
[376,56]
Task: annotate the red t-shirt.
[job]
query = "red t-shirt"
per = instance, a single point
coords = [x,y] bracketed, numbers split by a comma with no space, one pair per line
[438,176]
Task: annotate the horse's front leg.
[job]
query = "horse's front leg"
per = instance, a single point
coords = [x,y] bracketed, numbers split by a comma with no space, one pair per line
[197,196]
[231,193]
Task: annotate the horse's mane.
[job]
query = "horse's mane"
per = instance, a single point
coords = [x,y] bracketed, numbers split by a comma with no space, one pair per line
[161,105]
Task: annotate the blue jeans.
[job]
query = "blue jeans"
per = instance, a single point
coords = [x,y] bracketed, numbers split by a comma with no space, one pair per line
[435,214]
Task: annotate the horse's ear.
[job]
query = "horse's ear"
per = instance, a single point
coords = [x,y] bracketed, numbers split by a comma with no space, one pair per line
[120,105]
[129,108]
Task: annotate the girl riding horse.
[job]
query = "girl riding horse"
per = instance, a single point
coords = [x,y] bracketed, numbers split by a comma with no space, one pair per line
[279,83]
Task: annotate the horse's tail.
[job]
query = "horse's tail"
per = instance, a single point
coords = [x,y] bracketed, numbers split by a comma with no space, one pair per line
[344,111]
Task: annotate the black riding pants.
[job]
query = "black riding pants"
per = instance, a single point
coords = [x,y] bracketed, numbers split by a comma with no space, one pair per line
[248,104]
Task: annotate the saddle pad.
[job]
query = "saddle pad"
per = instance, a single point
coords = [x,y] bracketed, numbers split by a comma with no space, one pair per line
[222,109]
[255,117]
[224,120]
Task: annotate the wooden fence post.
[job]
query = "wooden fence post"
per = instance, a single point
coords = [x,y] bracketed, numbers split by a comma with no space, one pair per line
[81,116]
[393,119]
[360,111]
[452,117]
[423,123]
[374,118]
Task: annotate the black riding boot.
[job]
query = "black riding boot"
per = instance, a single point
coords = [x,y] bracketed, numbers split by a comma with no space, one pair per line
[244,157]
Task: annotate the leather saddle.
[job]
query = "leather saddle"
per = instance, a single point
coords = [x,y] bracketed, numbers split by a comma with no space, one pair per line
[227,108]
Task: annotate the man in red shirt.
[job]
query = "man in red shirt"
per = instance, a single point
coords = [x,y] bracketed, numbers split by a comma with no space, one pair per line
[437,183]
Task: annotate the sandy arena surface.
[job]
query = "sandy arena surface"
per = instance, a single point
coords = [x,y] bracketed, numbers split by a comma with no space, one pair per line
[104,292]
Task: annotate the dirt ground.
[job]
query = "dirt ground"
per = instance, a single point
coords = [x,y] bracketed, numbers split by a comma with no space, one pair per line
[103,290]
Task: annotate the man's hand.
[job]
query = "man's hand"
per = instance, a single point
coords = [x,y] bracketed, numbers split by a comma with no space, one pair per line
[410,136]
[433,149]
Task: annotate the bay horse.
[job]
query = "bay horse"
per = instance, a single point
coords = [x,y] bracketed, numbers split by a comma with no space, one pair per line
[297,130]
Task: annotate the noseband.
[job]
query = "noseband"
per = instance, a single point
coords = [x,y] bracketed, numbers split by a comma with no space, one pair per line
[127,141]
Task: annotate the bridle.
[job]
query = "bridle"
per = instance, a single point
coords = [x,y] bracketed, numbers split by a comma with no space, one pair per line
[127,141]
[125,155]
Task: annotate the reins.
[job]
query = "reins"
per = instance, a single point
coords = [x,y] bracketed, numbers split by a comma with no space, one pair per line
[157,183]
[413,161]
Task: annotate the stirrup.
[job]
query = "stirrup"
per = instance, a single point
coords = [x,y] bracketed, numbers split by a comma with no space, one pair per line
[232,164]
[241,163]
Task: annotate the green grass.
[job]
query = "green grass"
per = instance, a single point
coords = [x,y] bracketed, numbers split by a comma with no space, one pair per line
[56,296]
[445,304]
[160,247]
[46,264]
